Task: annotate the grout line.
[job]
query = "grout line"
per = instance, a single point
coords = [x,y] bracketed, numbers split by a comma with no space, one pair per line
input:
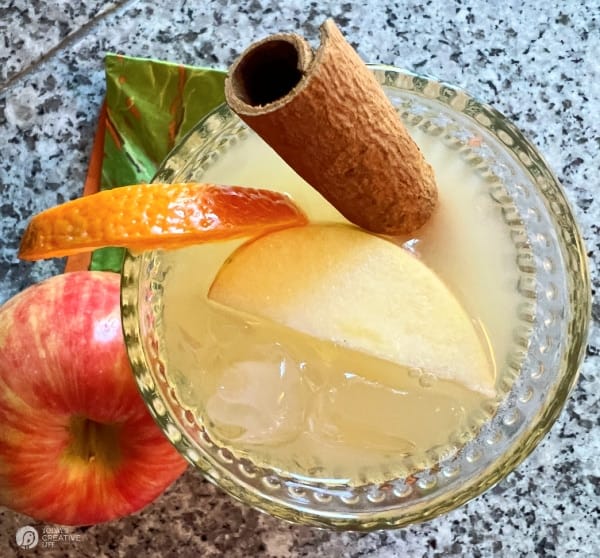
[68,40]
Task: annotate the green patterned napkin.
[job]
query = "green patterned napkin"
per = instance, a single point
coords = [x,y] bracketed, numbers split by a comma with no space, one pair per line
[150,106]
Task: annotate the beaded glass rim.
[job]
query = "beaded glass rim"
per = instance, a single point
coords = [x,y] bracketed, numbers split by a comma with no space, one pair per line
[550,340]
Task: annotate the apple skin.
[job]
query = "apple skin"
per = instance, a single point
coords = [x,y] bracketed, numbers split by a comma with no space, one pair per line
[77,444]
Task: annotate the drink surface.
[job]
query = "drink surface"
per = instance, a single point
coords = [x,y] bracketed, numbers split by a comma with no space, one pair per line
[313,408]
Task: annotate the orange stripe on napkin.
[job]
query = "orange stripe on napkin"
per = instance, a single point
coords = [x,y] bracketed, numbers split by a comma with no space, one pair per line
[80,262]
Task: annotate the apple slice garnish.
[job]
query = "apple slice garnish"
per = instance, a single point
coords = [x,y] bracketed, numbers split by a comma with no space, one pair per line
[362,291]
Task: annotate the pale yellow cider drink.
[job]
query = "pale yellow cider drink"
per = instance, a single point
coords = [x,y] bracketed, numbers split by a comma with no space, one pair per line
[312,408]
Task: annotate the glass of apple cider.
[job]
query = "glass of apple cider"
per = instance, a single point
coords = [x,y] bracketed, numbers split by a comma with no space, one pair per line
[310,427]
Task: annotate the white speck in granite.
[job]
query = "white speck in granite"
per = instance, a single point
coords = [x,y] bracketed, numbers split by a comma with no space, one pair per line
[535,62]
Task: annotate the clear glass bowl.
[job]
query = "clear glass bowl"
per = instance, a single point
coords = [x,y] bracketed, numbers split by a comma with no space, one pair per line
[550,340]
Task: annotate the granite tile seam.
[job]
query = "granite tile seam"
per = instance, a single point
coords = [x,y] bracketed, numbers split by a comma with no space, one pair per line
[65,43]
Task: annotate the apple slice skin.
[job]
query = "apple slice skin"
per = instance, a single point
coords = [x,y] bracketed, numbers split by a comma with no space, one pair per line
[63,362]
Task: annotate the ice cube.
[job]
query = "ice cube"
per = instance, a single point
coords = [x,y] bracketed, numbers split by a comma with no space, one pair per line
[362,414]
[259,402]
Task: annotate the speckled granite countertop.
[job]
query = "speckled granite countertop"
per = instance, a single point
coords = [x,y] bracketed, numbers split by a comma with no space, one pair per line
[537,62]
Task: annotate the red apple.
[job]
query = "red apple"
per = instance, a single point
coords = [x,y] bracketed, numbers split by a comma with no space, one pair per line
[77,444]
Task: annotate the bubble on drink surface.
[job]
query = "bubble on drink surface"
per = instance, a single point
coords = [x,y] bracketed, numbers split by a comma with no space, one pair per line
[415,372]
[427,380]
[259,402]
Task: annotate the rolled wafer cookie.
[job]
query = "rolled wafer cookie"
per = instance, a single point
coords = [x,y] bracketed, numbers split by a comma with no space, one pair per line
[329,119]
